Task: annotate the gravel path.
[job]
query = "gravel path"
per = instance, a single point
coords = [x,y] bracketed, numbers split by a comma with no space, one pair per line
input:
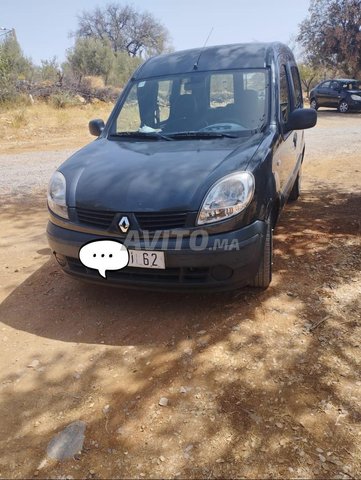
[22,173]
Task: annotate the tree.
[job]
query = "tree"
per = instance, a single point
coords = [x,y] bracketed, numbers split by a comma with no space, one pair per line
[309,77]
[19,66]
[126,30]
[50,70]
[14,66]
[91,56]
[331,35]
[123,67]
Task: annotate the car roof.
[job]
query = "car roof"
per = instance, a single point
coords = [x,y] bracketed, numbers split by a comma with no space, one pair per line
[219,57]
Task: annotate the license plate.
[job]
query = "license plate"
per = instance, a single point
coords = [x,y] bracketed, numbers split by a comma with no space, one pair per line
[146,259]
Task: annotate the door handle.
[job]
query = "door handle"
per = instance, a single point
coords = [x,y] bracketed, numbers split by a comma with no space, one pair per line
[295,140]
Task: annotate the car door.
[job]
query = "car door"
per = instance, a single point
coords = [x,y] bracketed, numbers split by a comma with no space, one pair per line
[335,94]
[323,93]
[285,154]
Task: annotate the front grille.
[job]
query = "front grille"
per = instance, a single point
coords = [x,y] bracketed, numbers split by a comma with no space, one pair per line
[149,221]
[161,221]
[177,275]
[97,218]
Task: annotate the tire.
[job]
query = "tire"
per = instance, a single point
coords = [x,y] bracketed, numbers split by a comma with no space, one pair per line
[343,106]
[264,275]
[296,189]
[314,104]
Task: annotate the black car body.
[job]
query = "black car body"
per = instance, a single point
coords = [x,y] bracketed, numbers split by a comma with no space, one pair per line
[203,146]
[340,93]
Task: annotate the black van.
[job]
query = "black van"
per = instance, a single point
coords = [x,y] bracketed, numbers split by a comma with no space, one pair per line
[201,152]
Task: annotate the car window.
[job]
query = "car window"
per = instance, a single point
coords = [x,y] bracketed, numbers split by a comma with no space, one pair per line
[352,86]
[335,85]
[325,85]
[221,90]
[233,100]
[163,100]
[256,82]
[284,94]
[298,99]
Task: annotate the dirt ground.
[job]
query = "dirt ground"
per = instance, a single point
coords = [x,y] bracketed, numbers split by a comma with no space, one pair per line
[260,384]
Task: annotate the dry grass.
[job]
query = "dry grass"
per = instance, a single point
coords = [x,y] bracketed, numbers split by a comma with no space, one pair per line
[19,118]
[43,127]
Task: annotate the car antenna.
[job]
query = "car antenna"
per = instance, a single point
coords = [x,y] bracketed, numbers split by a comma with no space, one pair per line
[195,66]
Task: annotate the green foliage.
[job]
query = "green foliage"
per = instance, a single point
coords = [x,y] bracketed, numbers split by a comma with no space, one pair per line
[14,66]
[18,65]
[331,35]
[91,56]
[63,100]
[49,70]
[122,68]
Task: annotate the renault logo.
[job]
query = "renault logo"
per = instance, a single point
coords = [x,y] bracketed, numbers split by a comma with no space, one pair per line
[124,224]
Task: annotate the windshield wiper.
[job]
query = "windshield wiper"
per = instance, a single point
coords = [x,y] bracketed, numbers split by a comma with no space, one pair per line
[143,135]
[202,135]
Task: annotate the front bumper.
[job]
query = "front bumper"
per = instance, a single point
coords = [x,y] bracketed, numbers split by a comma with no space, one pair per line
[229,260]
[354,105]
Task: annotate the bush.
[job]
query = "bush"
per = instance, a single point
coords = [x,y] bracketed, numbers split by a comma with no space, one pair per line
[62,100]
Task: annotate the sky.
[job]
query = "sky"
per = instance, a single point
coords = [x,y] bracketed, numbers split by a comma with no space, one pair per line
[43,26]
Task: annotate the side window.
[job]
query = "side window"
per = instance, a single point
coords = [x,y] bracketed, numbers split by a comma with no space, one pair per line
[284,95]
[298,99]
[325,85]
[221,90]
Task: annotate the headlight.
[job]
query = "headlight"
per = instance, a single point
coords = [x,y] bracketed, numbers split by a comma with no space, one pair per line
[57,195]
[227,197]
[357,98]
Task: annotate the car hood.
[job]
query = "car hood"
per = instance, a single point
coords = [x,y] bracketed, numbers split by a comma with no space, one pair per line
[156,175]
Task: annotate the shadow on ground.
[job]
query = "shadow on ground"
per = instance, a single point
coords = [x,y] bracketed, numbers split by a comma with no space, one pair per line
[271,379]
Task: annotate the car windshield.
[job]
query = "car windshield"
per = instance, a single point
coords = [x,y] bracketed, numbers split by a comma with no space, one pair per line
[198,104]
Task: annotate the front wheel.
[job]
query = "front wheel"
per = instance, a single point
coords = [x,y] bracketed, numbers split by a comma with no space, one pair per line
[264,275]
[343,106]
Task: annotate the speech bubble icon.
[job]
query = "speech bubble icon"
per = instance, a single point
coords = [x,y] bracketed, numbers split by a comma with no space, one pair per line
[103,255]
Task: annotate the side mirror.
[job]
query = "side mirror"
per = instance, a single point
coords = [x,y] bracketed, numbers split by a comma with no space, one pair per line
[96,127]
[301,118]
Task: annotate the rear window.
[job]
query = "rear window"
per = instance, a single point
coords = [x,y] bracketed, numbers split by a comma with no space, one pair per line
[221,90]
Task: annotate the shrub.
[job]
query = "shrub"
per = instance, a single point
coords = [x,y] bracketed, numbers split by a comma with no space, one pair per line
[62,100]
